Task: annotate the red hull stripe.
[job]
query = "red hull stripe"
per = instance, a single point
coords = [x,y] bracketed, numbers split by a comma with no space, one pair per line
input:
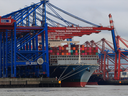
[73,84]
[92,83]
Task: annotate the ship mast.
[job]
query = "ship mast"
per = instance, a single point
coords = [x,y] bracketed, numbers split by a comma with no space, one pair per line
[79,55]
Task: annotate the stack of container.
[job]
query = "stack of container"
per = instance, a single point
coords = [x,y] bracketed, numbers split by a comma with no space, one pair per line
[60,54]
[73,50]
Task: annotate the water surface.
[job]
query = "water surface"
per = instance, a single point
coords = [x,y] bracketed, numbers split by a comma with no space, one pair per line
[89,90]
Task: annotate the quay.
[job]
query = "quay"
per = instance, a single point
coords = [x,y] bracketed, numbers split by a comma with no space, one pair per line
[28,82]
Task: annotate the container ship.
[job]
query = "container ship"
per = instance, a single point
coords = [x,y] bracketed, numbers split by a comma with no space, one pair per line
[72,64]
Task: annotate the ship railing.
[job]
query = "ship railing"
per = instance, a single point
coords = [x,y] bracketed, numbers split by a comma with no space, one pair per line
[55,58]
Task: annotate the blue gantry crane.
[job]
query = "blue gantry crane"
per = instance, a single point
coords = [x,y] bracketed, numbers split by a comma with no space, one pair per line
[19,45]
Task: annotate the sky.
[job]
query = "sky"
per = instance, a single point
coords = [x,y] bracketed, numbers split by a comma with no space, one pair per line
[95,11]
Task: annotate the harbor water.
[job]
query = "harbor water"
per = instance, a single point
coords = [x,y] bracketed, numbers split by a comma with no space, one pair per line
[89,90]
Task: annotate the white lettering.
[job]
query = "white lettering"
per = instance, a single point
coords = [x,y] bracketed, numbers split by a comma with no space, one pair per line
[5,20]
[71,28]
[85,28]
[59,30]
[31,63]
[73,31]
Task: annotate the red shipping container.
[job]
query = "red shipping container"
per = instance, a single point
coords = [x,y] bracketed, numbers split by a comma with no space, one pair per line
[50,51]
[65,45]
[62,53]
[59,48]
[77,46]
[89,50]
[85,48]
[74,48]
[62,48]
[82,46]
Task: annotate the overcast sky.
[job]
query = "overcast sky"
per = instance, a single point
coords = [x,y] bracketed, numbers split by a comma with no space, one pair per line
[95,11]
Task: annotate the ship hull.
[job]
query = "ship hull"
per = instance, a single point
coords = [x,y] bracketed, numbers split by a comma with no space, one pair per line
[73,75]
[94,79]
[73,84]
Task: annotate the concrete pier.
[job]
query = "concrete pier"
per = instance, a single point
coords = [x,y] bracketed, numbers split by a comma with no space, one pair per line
[28,82]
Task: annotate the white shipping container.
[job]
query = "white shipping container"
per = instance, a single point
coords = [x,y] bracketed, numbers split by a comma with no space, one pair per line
[123,74]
